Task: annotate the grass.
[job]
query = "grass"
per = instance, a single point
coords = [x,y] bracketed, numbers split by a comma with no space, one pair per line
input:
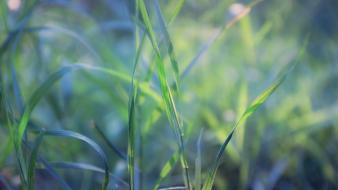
[163,104]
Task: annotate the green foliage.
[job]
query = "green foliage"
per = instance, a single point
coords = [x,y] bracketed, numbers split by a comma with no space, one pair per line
[146,84]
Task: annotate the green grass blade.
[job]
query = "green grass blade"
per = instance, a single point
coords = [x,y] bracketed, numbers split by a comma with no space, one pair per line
[248,112]
[51,171]
[35,98]
[131,139]
[143,87]
[88,167]
[177,10]
[110,145]
[167,168]
[88,141]
[32,160]
[37,95]
[131,116]
[198,163]
[170,48]
[167,97]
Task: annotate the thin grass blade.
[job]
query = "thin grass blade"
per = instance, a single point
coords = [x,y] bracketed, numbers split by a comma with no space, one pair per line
[167,40]
[32,160]
[50,170]
[249,111]
[88,167]
[177,10]
[198,163]
[110,145]
[88,141]
[167,97]
[167,168]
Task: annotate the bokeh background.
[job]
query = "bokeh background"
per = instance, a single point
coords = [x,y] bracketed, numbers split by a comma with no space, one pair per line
[291,142]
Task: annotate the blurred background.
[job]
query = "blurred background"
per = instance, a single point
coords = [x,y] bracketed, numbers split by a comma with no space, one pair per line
[291,142]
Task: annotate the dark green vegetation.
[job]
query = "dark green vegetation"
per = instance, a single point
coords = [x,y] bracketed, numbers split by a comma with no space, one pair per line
[157,94]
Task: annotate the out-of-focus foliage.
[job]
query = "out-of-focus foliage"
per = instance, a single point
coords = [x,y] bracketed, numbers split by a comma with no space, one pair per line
[122,93]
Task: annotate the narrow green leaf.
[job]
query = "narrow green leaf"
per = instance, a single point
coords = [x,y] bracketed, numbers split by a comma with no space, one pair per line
[198,163]
[32,160]
[167,97]
[131,117]
[167,168]
[35,98]
[177,10]
[88,141]
[50,170]
[248,112]
[131,139]
[110,145]
[88,167]
[167,40]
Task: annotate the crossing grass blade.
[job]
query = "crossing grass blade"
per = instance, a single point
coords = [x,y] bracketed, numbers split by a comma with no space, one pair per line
[123,77]
[177,10]
[167,39]
[88,141]
[132,131]
[35,98]
[88,167]
[167,168]
[249,111]
[50,169]
[32,160]
[53,78]
[110,145]
[41,91]
[37,95]
[167,97]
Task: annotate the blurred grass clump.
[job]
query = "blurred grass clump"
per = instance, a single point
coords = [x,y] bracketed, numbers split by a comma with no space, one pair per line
[157,94]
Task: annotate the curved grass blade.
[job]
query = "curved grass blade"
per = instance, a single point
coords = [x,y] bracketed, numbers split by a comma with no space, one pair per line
[167,168]
[85,166]
[55,29]
[110,145]
[35,98]
[32,161]
[40,92]
[37,95]
[50,170]
[167,97]
[248,112]
[53,78]
[88,141]
[144,87]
